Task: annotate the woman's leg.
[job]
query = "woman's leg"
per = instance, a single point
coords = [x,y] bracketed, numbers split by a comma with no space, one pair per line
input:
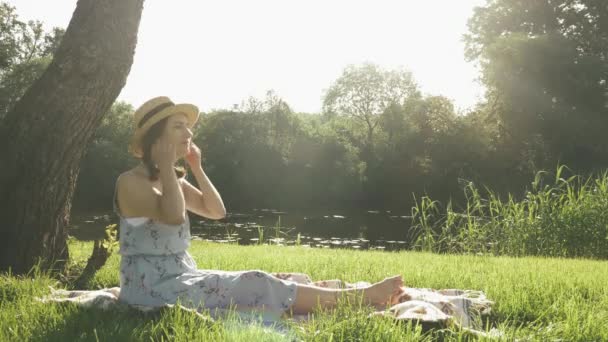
[378,294]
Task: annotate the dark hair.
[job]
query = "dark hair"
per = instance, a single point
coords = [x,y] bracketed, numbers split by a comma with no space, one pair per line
[148,140]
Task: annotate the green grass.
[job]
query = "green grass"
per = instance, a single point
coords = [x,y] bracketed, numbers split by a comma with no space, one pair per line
[536,298]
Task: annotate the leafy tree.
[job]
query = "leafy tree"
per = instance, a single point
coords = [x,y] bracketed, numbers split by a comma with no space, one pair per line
[364,93]
[21,42]
[15,82]
[25,52]
[546,69]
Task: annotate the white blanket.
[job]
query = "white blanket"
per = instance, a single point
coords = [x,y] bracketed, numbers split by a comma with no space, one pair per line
[442,308]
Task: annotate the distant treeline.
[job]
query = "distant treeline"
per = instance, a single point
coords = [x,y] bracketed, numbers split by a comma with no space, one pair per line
[378,140]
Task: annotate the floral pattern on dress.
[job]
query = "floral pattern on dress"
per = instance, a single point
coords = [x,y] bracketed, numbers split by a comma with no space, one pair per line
[156,269]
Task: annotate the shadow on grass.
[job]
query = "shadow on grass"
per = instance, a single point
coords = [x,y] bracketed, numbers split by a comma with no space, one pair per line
[93,324]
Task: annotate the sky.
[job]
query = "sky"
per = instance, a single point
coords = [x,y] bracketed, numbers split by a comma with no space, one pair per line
[215,54]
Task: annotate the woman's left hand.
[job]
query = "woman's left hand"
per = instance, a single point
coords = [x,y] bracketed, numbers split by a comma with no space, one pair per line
[194,156]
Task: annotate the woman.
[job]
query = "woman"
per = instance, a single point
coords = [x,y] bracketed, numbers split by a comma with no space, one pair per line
[151,200]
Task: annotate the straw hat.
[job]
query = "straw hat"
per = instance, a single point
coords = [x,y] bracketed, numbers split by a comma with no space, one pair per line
[152,112]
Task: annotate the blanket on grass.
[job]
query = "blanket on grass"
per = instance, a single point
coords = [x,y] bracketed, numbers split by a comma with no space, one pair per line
[448,308]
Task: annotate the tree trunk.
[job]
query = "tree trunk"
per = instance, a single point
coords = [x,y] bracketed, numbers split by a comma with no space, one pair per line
[44,137]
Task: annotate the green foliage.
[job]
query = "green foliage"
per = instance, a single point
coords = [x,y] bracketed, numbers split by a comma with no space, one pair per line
[364,93]
[106,157]
[269,155]
[560,216]
[25,52]
[110,240]
[17,80]
[546,69]
[21,42]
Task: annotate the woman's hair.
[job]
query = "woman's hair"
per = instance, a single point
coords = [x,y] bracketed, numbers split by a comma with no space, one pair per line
[148,140]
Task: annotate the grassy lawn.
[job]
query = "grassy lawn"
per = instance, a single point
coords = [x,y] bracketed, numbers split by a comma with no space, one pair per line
[537,299]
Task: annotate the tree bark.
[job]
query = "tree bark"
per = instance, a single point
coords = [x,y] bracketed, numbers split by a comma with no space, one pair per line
[44,137]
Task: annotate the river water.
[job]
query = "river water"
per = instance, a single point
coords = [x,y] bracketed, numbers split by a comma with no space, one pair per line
[368,230]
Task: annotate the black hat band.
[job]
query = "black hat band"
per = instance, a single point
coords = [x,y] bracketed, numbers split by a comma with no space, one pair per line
[154,111]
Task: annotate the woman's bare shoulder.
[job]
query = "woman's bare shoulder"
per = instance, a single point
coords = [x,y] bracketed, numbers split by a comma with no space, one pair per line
[131,182]
[135,193]
[128,178]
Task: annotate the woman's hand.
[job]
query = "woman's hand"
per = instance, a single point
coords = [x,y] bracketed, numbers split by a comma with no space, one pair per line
[194,156]
[163,153]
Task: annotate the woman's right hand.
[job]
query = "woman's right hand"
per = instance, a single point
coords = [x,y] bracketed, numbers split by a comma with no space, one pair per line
[163,153]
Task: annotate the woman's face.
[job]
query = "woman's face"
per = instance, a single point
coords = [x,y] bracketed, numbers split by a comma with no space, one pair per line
[178,133]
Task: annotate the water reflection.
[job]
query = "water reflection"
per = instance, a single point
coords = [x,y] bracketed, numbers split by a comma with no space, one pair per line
[371,230]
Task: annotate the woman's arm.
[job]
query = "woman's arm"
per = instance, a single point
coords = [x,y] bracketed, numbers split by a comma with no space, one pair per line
[205,201]
[172,206]
[172,202]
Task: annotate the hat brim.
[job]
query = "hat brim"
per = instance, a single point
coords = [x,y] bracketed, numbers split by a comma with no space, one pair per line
[191,112]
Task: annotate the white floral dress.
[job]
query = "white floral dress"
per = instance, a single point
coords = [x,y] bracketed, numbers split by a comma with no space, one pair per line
[156,269]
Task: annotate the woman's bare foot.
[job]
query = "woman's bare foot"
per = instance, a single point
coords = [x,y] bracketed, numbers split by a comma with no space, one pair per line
[384,292]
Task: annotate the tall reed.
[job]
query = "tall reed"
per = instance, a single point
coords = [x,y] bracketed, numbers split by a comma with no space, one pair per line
[558,216]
